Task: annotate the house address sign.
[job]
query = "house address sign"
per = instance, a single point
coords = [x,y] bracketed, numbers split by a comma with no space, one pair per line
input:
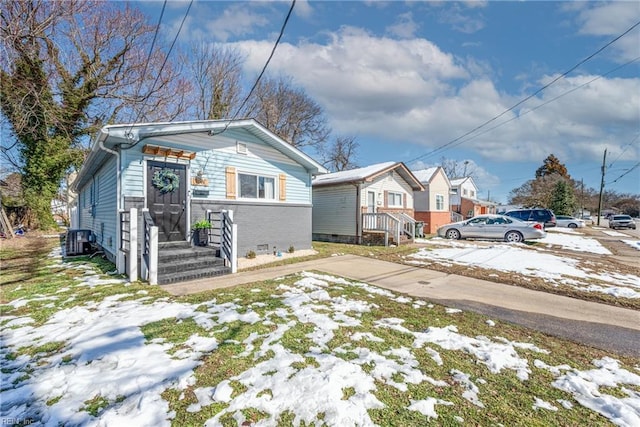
[200,193]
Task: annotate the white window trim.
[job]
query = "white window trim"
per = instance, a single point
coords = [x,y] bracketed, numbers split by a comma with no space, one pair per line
[395,193]
[441,197]
[258,175]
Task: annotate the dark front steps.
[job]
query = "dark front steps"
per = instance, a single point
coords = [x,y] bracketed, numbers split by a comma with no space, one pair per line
[180,262]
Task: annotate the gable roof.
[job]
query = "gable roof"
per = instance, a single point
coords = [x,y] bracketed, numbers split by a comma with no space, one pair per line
[368,174]
[112,138]
[426,175]
[455,182]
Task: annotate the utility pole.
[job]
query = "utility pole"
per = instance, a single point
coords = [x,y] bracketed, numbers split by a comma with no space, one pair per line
[581,197]
[604,160]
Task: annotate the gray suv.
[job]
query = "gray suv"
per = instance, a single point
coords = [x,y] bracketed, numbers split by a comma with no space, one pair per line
[543,216]
[621,221]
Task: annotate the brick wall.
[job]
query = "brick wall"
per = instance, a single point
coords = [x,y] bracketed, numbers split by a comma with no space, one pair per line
[433,220]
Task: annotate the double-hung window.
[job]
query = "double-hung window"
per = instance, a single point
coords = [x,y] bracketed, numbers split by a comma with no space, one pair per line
[395,199]
[257,186]
[439,202]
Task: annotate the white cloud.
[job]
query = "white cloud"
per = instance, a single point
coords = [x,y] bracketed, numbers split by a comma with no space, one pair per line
[605,19]
[404,27]
[357,73]
[236,20]
[410,91]
[303,9]
[462,20]
[216,21]
[612,19]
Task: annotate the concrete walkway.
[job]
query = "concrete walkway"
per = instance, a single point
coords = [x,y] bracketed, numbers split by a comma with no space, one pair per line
[603,326]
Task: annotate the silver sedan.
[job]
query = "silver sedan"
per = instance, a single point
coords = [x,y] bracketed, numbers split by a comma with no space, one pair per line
[495,227]
[569,221]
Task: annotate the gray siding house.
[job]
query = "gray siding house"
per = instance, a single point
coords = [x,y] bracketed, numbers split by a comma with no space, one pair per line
[373,204]
[179,171]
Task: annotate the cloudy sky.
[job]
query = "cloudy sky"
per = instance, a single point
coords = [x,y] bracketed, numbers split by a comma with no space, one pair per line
[413,80]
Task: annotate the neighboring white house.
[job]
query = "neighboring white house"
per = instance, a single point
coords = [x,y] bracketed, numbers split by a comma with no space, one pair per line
[346,204]
[465,201]
[181,171]
[432,204]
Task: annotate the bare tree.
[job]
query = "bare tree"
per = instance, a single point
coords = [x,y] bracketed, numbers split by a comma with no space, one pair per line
[457,169]
[69,67]
[288,112]
[340,155]
[535,192]
[216,72]
[548,188]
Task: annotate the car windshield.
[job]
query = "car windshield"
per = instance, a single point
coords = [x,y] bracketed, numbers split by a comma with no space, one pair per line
[621,218]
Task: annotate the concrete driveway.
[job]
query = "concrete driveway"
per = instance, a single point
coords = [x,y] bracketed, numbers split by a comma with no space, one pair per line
[603,326]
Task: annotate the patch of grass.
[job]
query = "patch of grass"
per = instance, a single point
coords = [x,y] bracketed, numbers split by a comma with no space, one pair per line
[347,392]
[54,400]
[172,330]
[43,350]
[508,400]
[95,405]
[47,286]
[296,340]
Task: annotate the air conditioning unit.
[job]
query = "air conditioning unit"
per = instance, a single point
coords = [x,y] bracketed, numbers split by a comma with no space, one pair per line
[79,242]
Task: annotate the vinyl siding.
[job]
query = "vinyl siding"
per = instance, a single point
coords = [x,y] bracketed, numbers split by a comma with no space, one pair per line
[426,200]
[334,210]
[101,217]
[213,155]
[388,182]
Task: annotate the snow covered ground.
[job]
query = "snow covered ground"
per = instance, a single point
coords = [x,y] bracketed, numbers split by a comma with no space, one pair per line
[101,354]
[533,261]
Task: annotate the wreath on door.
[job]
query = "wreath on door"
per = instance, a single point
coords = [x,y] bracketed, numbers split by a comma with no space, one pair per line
[166,181]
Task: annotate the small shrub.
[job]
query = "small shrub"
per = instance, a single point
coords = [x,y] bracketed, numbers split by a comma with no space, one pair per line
[201,225]
[291,249]
[251,255]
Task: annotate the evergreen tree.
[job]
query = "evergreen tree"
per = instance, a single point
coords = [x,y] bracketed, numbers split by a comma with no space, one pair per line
[563,201]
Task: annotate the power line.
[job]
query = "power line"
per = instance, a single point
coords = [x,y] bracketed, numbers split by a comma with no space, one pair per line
[273,51]
[627,172]
[146,64]
[166,58]
[528,97]
[543,104]
[624,148]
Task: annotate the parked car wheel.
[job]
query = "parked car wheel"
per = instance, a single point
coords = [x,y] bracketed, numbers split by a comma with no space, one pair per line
[572,225]
[513,237]
[453,234]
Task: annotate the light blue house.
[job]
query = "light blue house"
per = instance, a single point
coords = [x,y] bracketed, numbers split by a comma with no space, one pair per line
[176,174]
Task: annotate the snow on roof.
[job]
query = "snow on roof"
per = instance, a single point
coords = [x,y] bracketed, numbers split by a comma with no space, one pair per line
[425,175]
[353,174]
[458,181]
